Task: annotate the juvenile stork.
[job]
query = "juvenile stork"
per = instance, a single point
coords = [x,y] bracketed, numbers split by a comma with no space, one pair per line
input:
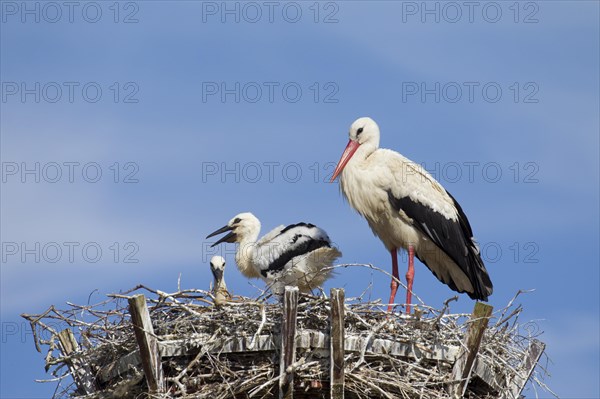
[407,208]
[219,288]
[299,255]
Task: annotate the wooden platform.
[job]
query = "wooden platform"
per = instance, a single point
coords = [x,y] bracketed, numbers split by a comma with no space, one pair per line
[471,375]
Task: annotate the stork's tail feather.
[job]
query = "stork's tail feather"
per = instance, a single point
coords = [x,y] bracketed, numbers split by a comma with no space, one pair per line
[469,276]
[481,279]
[319,264]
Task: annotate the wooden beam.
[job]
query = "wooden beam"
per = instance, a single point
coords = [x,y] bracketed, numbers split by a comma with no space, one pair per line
[82,375]
[305,339]
[147,343]
[532,356]
[461,371]
[336,344]
[309,339]
[487,375]
[121,367]
[288,343]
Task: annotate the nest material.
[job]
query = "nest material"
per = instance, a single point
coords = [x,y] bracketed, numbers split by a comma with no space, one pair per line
[210,366]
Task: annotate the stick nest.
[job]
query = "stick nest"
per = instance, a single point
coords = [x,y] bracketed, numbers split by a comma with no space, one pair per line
[205,368]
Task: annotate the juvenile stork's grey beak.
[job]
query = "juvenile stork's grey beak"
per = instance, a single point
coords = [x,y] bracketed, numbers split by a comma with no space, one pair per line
[217,273]
[231,237]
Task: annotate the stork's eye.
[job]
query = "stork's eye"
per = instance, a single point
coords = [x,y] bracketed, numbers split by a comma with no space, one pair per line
[359,131]
[237,220]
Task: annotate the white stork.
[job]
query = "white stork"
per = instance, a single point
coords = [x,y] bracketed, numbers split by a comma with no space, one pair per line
[407,208]
[219,288]
[299,255]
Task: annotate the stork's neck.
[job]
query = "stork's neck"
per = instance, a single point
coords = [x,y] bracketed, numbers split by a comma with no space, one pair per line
[357,184]
[246,253]
[362,153]
[220,285]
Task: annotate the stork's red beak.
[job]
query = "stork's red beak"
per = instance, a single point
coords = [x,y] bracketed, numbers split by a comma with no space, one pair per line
[348,152]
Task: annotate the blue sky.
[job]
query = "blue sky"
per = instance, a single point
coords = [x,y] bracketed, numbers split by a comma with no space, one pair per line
[520,151]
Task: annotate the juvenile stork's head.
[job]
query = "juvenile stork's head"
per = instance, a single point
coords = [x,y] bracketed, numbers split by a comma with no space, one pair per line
[217,267]
[219,288]
[364,134]
[242,227]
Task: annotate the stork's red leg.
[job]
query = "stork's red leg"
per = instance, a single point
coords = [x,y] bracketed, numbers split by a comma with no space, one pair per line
[410,276]
[394,283]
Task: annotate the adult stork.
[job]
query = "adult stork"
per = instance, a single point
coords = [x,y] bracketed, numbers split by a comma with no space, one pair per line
[407,208]
[219,288]
[300,254]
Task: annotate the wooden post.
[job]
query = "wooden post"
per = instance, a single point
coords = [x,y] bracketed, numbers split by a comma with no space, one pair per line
[336,344]
[288,343]
[466,357]
[147,343]
[516,386]
[82,375]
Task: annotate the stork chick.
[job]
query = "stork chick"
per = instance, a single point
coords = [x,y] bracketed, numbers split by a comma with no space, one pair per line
[219,288]
[298,255]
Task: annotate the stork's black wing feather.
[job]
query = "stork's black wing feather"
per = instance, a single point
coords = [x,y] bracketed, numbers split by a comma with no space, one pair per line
[295,240]
[454,237]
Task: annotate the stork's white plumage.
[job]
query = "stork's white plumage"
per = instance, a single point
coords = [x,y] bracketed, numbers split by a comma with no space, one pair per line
[407,208]
[299,255]
[219,288]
